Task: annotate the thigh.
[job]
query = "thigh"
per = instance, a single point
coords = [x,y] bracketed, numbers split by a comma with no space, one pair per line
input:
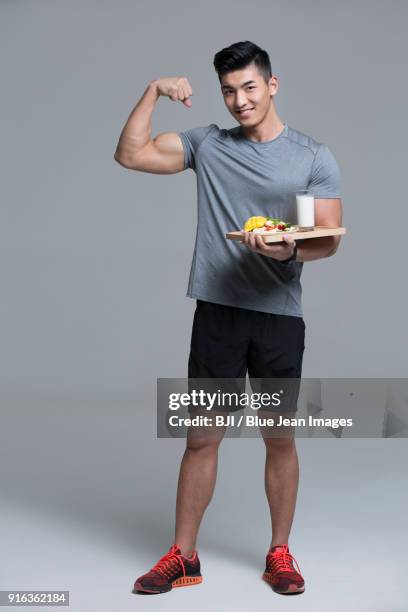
[276,352]
[217,361]
[219,343]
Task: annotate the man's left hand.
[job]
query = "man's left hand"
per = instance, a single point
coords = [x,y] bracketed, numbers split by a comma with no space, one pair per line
[277,250]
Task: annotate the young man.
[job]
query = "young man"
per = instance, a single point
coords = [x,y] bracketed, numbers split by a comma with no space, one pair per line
[249,312]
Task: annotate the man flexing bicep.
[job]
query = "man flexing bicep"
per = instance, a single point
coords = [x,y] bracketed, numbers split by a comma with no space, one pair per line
[136,149]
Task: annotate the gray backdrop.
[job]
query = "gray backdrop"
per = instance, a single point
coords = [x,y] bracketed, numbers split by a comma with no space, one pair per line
[93,298]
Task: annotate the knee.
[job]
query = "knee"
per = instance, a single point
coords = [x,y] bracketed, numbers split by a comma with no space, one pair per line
[277,446]
[203,444]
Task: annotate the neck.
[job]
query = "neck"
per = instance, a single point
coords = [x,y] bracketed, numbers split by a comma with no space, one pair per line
[269,128]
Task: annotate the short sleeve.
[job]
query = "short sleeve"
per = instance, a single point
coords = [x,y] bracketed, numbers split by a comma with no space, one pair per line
[192,140]
[325,175]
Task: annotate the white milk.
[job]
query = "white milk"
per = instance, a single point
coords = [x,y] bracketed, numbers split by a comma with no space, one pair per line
[305,209]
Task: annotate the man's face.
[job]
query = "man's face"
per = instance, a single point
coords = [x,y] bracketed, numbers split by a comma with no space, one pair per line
[247,95]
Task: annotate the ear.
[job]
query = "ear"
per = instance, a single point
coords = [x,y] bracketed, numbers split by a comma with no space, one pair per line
[273,85]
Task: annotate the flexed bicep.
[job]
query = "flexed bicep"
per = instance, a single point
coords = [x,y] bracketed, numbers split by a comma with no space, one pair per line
[162,155]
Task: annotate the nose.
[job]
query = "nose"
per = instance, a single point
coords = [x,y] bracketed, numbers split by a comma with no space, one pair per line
[240,100]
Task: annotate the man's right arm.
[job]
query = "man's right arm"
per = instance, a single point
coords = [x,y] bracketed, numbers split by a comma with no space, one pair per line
[163,154]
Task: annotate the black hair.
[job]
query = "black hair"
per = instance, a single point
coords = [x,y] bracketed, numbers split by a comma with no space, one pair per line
[240,55]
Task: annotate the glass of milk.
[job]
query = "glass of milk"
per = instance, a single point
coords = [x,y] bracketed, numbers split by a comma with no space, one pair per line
[305,210]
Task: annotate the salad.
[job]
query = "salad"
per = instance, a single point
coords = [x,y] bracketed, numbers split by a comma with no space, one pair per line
[260,225]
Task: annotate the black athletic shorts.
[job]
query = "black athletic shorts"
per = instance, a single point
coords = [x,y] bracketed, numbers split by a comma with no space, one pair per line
[229,342]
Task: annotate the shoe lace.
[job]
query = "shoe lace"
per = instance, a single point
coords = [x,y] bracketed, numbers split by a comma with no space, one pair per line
[282,560]
[169,562]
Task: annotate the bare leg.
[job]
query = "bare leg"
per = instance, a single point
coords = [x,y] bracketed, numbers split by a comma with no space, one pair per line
[281,485]
[198,473]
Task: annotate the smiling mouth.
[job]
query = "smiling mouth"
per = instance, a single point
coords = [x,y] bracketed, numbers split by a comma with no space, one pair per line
[244,112]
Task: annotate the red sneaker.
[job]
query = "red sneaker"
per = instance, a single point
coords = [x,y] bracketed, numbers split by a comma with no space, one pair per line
[280,572]
[172,570]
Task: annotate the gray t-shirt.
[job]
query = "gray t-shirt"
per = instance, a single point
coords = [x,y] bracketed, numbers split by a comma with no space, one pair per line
[236,179]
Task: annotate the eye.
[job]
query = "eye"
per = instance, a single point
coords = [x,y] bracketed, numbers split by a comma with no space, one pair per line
[251,87]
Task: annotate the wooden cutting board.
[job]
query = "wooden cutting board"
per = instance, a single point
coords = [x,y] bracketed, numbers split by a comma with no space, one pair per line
[317,232]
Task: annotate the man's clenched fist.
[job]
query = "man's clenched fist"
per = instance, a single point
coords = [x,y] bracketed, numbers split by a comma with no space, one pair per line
[175,88]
